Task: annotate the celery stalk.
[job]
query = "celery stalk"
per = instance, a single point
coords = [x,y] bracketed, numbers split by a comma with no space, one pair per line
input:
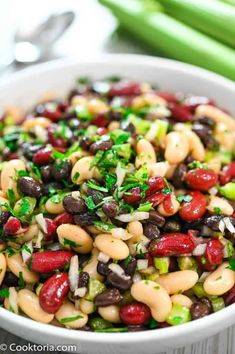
[173,38]
[211,17]
[230,2]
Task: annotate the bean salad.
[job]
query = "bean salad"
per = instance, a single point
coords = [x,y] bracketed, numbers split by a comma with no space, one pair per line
[117,208]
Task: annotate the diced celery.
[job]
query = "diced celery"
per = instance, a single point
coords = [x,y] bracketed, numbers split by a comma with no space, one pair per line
[162,264]
[228,190]
[141,125]
[179,315]
[95,287]
[199,291]
[99,323]
[157,131]
[153,277]
[123,150]
[225,157]
[91,131]
[187,262]
[217,303]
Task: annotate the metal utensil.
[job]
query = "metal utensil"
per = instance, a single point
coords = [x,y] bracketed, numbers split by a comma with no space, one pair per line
[37,44]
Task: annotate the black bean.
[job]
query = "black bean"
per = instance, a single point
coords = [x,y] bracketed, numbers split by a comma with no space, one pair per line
[202,130]
[74,205]
[4,216]
[156,218]
[97,196]
[178,176]
[130,128]
[200,308]
[83,279]
[118,223]
[46,173]
[151,230]
[29,150]
[129,266]
[115,115]
[110,209]
[101,145]
[85,143]
[211,143]
[103,268]
[189,159]
[116,281]
[206,121]
[61,170]
[172,226]
[29,186]
[108,297]
[213,221]
[85,219]
[51,188]
[10,279]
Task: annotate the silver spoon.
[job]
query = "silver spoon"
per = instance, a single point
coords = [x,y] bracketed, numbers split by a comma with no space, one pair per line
[37,45]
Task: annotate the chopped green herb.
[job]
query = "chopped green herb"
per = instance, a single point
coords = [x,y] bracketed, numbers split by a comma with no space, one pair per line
[70,319]
[119,136]
[153,323]
[232,264]
[11,196]
[21,280]
[90,203]
[68,242]
[217,211]
[112,330]
[127,260]
[145,207]
[92,185]
[76,176]
[104,226]
[4,293]
[167,190]
[58,198]
[184,198]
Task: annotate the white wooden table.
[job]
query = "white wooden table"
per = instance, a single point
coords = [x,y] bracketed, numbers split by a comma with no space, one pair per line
[91,34]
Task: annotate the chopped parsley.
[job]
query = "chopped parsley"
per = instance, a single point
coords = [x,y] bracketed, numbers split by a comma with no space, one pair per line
[4,293]
[21,280]
[71,243]
[70,319]
[92,185]
[104,226]
[232,264]
[11,196]
[145,207]
[184,198]
[217,211]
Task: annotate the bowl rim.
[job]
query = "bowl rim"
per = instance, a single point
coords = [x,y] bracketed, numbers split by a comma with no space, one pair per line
[199,325]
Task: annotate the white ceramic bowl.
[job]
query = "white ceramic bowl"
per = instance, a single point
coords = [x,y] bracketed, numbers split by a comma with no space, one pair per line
[24,89]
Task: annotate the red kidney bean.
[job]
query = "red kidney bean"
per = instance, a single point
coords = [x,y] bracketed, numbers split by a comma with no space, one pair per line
[168,96]
[148,256]
[125,89]
[155,184]
[229,297]
[201,179]
[100,120]
[49,261]
[214,251]
[135,314]
[174,244]
[49,110]
[101,131]
[156,198]
[227,173]
[51,229]
[42,156]
[55,141]
[193,102]
[205,264]
[167,204]
[12,226]
[195,208]
[180,113]
[53,292]
[64,218]
[132,196]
